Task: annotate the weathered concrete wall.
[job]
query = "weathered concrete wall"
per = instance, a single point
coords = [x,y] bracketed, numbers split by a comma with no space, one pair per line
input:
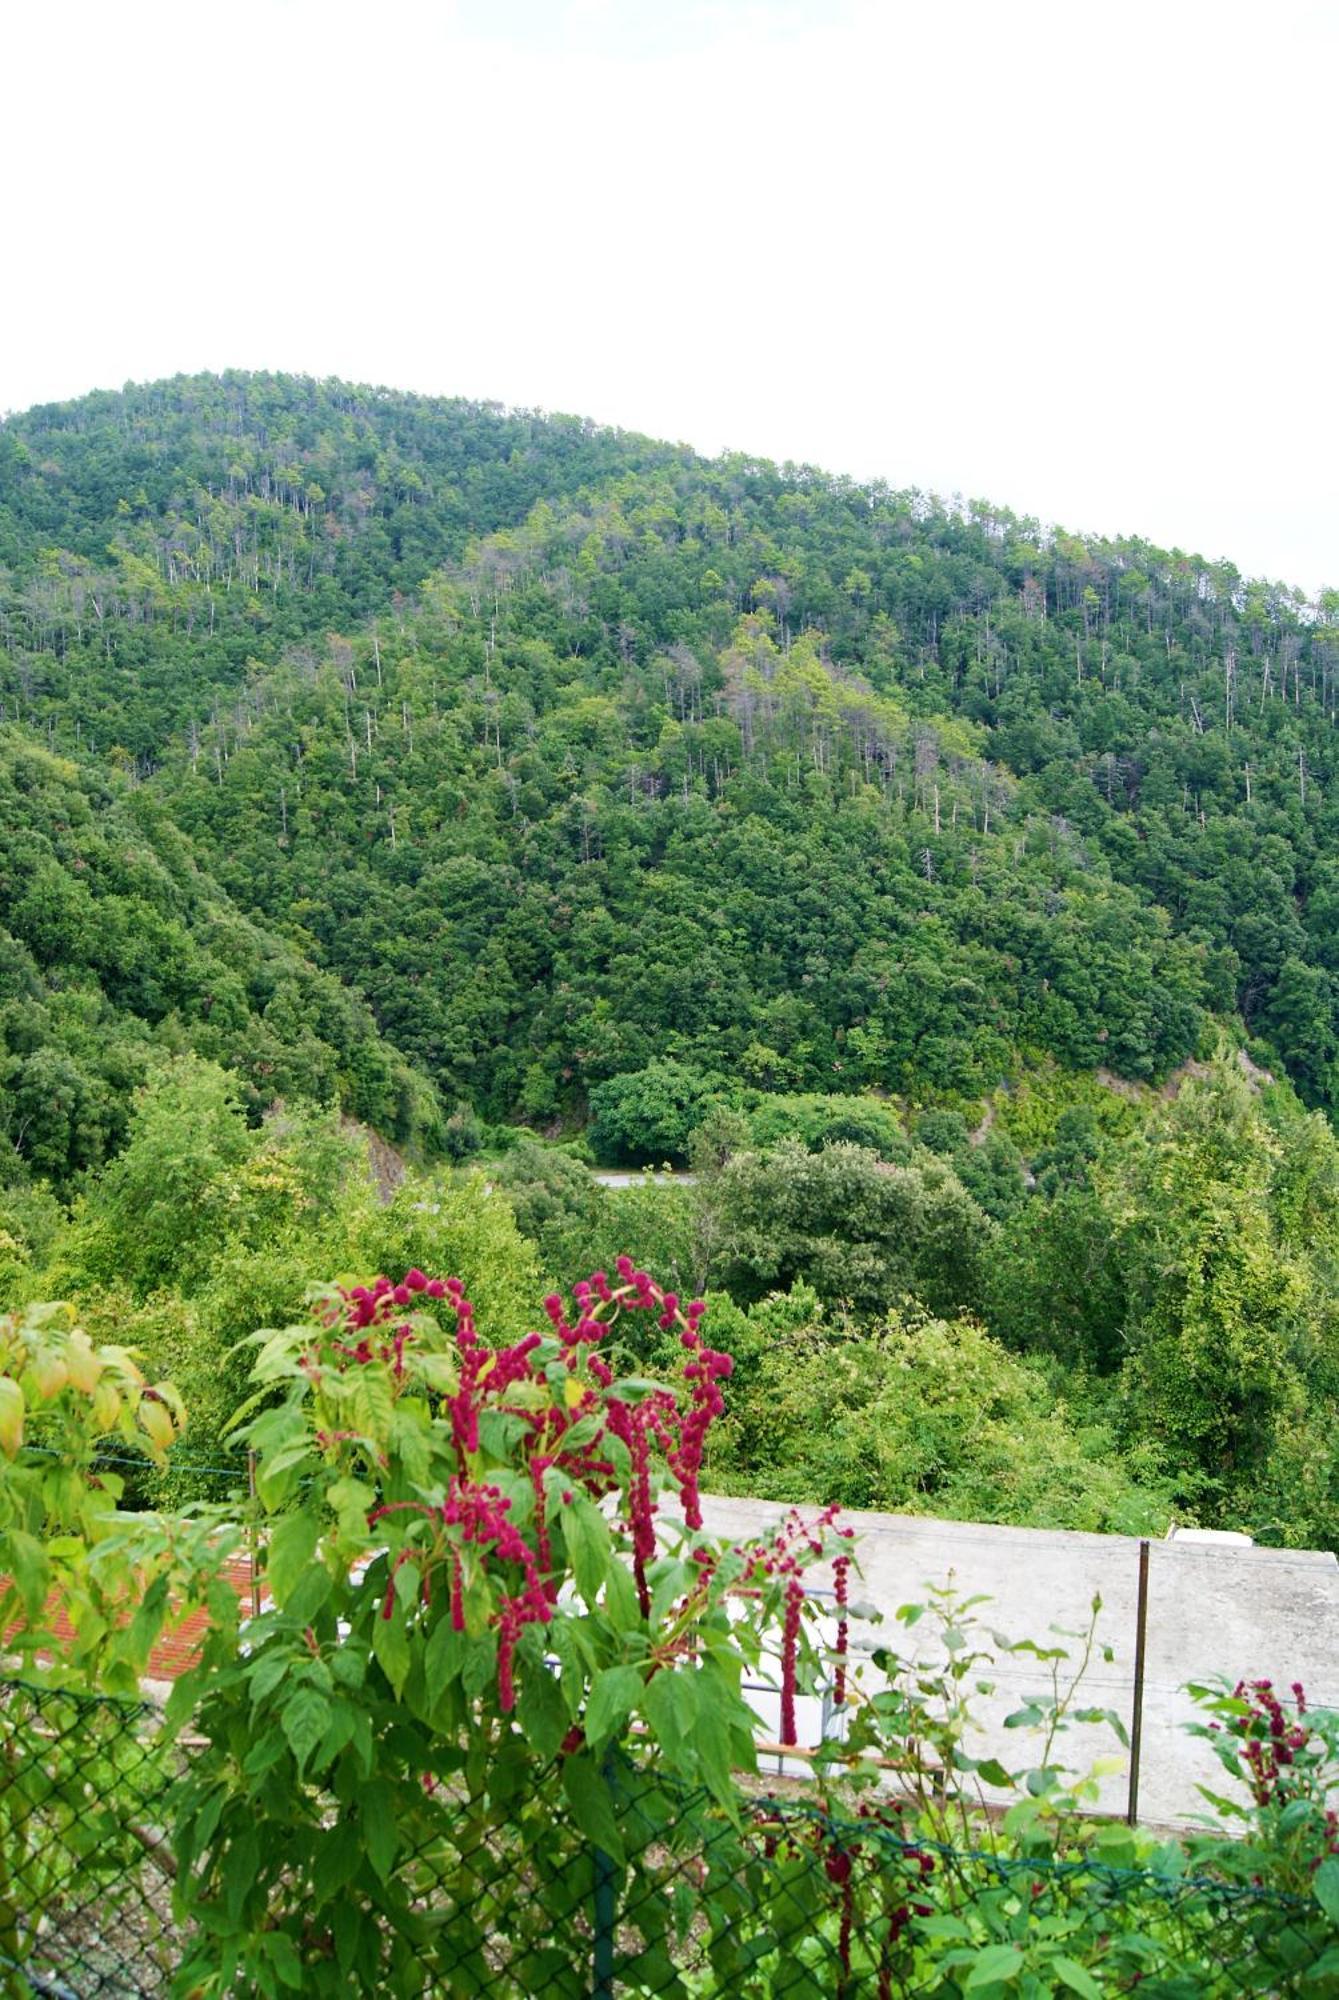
[1213,1609]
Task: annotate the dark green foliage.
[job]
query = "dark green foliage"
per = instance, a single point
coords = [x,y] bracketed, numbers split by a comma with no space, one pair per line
[116,953]
[860,1231]
[580,754]
[925,1416]
[649,1117]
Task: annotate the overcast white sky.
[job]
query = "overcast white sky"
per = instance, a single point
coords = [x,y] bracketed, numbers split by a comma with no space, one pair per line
[1075,257]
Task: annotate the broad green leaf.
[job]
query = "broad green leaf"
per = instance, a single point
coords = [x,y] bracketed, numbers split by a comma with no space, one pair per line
[11,1416]
[996,1965]
[592,1806]
[586,1534]
[283,1955]
[378,1822]
[614,1693]
[1325,1883]
[541,1709]
[670,1707]
[25,1556]
[390,1643]
[337,1859]
[292,1546]
[673,1581]
[992,1772]
[1077,1977]
[266,1671]
[239,1871]
[305,1717]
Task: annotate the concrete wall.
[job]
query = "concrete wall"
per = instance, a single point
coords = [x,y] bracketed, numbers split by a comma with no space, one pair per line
[1213,1609]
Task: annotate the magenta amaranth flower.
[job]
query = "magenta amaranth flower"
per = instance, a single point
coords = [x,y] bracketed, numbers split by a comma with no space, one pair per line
[840,1573]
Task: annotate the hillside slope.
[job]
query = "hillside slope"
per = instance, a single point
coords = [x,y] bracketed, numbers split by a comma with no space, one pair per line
[574,751]
[116,951]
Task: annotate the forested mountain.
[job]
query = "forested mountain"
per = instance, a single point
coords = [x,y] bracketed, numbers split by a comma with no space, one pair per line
[116,952]
[927,881]
[572,751]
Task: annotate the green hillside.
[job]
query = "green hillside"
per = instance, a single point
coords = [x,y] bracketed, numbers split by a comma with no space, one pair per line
[572,751]
[958,900]
[118,952]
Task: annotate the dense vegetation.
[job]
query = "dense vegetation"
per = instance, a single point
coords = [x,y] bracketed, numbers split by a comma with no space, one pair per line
[459,771]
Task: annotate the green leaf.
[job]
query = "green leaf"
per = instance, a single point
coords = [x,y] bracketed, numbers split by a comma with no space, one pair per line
[309,1593]
[337,1858]
[11,1416]
[352,1501]
[1325,1883]
[444,1657]
[292,1545]
[283,1955]
[592,1807]
[993,1772]
[1077,1977]
[541,1709]
[586,1534]
[306,1717]
[672,1580]
[239,1871]
[670,1708]
[390,1643]
[995,1966]
[23,1553]
[378,1820]
[620,1598]
[267,1670]
[614,1694]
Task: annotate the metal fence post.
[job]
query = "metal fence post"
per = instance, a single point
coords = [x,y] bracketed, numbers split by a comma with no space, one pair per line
[1137,1709]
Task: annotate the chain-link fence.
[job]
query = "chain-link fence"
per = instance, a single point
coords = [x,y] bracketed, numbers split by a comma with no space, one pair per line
[514,1896]
[85,1873]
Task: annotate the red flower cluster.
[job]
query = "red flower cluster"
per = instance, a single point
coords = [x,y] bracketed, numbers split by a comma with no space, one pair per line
[1271,1747]
[368,1306]
[657,1418]
[477,1513]
[1269,1742]
[784,1557]
[480,1513]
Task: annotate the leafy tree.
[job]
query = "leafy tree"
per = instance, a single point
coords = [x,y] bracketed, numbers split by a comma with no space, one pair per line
[922,1415]
[648,1116]
[859,1230]
[1219,1306]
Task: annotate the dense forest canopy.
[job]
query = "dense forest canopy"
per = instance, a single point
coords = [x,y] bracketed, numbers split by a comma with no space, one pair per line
[957,896]
[570,750]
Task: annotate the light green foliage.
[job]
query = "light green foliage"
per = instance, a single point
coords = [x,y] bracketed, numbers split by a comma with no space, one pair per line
[1034,1107]
[455,1223]
[1221,1305]
[827,1121]
[167,1205]
[553,1199]
[923,1416]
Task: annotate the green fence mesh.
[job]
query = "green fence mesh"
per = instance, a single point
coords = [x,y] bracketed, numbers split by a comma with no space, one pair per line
[782,1899]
